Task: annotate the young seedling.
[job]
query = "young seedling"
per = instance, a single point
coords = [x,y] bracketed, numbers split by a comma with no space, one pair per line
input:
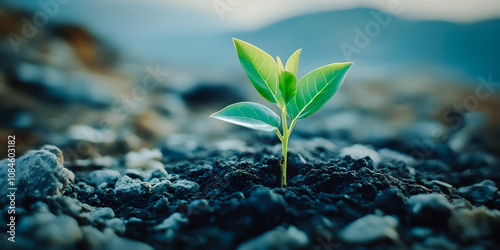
[278,84]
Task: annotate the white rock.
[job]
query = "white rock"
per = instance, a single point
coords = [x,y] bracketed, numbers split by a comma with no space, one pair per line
[474,224]
[161,187]
[117,225]
[480,192]
[174,222]
[47,230]
[99,176]
[157,166]
[278,238]
[422,203]
[370,229]
[185,186]
[126,184]
[142,158]
[102,214]
[39,173]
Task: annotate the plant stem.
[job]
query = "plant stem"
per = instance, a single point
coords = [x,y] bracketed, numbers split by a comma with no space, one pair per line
[283,168]
[279,134]
[284,143]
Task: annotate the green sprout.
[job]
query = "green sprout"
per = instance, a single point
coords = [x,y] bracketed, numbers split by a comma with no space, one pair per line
[278,84]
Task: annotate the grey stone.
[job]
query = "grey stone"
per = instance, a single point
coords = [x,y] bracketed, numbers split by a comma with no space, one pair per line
[102,185]
[71,206]
[117,225]
[277,239]
[102,214]
[441,185]
[84,187]
[199,207]
[39,173]
[460,203]
[158,172]
[265,201]
[95,239]
[97,177]
[185,186]
[390,200]
[161,204]
[169,227]
[46,230]
[161,187]
[370,229]
[480,193]
[126,185]
[136,173]
[134,220]
[432,208]
[156,169]
[56,151]
[475,223]
[154,181]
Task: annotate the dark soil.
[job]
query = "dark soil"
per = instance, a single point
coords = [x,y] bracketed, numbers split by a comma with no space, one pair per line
[241,198]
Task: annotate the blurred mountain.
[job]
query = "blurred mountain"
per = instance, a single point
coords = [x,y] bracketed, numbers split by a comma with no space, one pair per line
[370,38]
[378,43]
[471,49]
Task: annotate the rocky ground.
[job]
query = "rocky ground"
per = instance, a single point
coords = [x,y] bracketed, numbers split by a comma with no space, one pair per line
[226,195]
[384,165]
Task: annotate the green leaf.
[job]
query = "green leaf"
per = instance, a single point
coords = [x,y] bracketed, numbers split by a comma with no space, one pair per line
[316,88]
[261,69]
[249,114]
[293,62]
[288,86]
[280,64]
[288,83]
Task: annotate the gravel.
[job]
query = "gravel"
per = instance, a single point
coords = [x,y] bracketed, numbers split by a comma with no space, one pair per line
[233,200]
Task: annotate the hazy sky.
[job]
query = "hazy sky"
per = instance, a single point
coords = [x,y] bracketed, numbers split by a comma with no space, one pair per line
[238,15]
[252,14]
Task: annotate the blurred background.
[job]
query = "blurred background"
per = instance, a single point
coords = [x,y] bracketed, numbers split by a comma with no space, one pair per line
[109,77]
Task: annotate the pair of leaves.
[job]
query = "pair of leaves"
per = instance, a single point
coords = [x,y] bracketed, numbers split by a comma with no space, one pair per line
[287,78]
[274,82]
[278,84]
